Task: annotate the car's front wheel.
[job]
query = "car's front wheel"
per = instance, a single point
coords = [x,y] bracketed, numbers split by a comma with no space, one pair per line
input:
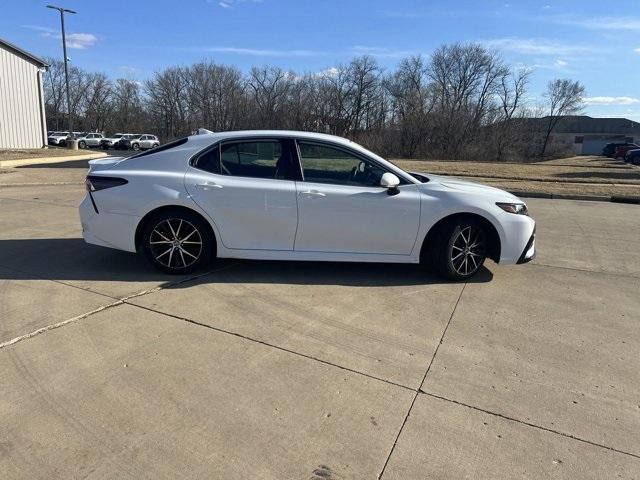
[177,242]
[459,249]
[82,144]
[135,146]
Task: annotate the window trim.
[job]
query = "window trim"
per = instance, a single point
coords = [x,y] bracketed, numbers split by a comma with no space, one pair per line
[297,174]
[403,180]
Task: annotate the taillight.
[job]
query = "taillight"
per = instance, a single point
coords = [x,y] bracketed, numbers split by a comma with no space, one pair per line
[95,183]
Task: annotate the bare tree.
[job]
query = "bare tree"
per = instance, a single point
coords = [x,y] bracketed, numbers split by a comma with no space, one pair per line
[270,87]
[461,102]
[564,97]
[466,79]
[128,113]
[510,94]
[411,105]
[98,106]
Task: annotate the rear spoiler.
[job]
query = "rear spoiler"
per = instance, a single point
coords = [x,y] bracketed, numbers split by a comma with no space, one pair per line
[98,164]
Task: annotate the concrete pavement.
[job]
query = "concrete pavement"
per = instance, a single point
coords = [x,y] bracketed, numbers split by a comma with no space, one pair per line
[303,370]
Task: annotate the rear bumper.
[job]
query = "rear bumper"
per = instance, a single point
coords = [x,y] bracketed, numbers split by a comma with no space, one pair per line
[529,252]
[107,229]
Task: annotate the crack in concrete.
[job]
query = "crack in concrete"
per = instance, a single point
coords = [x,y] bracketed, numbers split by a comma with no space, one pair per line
[119,301]
[267,344]
[585,270]
[58,325]
[417,391]
[533,425]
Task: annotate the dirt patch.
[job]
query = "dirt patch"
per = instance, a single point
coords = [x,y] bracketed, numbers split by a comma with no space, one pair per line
[18,154]
[598,176]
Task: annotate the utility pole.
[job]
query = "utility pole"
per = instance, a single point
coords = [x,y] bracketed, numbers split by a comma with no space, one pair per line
[71,143]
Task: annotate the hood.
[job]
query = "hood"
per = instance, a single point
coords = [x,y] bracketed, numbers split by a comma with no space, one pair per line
[470,187]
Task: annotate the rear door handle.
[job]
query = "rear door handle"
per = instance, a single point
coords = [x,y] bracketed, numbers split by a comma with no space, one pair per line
[208,185]
[313,194]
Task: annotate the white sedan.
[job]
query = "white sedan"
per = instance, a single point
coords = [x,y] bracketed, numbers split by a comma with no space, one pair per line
[281,195]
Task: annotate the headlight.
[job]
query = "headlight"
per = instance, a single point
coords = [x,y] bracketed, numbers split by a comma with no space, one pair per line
[517,208]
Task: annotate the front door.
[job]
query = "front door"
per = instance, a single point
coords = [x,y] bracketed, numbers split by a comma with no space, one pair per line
[247,188]
[342,208]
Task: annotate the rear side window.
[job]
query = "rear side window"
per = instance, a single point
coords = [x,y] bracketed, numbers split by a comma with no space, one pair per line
[166,146]
[257,159]
[209,161]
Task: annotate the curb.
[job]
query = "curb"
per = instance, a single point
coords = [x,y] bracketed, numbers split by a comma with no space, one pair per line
[45,160]
[591,198]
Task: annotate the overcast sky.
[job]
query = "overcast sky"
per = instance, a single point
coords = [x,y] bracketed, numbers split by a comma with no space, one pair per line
[593,41]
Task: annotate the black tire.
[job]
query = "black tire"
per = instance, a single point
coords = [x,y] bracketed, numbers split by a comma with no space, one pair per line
[162,241]
[155,145]
[82,144]
[449,253]
[135,146]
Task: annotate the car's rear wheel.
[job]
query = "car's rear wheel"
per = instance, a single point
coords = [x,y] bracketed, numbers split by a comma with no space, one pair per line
[459,249]
[177,242]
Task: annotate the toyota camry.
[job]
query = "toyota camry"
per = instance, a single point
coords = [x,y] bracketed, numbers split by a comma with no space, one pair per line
[284,195]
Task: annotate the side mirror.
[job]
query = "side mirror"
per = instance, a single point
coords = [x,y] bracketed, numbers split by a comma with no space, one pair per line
[390,182]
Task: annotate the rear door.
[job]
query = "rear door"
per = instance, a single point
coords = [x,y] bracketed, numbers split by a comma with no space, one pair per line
[247,187]
[343,209]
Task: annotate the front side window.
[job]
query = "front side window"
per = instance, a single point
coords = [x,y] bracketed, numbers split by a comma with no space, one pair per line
[257,159]
[325,164]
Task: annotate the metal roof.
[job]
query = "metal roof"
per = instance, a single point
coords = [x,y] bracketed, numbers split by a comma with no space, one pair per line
[23,53]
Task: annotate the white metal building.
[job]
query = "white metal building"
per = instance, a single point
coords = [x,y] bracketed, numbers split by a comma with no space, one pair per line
[22,118]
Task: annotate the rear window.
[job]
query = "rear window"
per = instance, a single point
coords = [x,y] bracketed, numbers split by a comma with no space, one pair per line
[162,148]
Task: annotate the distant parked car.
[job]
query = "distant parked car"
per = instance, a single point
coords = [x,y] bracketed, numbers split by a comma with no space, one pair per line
[633,157]
[622,151]
[610,148]
[112,141]
[125,141]
[90,140]
[58,138]
[145,142]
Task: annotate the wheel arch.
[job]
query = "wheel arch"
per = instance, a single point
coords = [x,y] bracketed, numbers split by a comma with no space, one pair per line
[495,244]
[171,208]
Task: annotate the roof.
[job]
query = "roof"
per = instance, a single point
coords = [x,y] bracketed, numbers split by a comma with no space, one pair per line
[586,124]
[208,138]
[23,53]
[583,124]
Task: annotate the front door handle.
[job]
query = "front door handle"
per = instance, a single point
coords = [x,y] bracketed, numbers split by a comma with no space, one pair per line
[313,194]
[208,185]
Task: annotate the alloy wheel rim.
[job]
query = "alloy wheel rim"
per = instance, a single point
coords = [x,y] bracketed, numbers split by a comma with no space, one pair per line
[175,243]
[467,251]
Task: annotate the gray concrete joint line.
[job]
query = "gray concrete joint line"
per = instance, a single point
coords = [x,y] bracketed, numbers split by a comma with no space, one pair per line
[533,425]
[575,269]
[418,390]
[266,344]
[433,357]
[119,301]
[59,282]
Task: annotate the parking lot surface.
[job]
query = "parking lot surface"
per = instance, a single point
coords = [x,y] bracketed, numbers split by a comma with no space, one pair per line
[276,370]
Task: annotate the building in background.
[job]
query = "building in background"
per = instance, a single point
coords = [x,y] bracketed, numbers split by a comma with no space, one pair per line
[22,118]
[584,135]
[590,135]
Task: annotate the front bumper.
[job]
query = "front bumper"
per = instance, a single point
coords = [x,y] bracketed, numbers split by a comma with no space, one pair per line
[529,252]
